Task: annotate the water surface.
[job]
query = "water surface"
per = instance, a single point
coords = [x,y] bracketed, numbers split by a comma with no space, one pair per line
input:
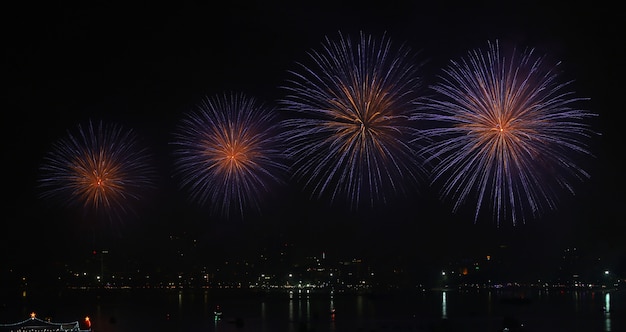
[297,311]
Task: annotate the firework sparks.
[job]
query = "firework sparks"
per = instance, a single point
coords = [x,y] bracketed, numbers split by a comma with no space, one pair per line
[101,168]
[506,133]
[349,126]
[228,153]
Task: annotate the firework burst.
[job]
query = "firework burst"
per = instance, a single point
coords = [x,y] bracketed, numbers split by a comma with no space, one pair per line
[349,120]
[506,134]
[100,168]
[228,153]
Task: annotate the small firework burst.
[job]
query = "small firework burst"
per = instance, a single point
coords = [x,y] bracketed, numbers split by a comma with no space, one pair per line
[101,169]
[228,154]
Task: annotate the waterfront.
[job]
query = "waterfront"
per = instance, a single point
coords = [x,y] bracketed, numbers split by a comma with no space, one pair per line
[296,311]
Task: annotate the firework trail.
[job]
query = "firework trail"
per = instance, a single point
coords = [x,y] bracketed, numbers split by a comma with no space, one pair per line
[228,153]
[101,168]
[349,121]
[506,133]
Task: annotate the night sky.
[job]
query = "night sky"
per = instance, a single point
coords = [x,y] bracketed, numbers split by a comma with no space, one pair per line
[145,66]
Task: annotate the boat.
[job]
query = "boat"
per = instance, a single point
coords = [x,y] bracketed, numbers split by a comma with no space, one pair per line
[35,324]
[217,313]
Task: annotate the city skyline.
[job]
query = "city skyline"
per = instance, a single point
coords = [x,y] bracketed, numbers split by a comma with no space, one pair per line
[145,68]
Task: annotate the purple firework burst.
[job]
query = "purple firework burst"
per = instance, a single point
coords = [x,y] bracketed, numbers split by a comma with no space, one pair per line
[349,123]
[506,133]
[102,168]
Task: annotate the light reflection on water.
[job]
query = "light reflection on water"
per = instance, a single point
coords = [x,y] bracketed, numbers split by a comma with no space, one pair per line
[290,305]
[607,312]
[444,306]
[489,306]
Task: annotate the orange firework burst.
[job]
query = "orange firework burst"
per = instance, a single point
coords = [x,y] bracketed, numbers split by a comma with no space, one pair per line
[228,153]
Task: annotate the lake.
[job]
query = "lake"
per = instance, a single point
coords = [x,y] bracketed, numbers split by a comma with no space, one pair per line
[299,311]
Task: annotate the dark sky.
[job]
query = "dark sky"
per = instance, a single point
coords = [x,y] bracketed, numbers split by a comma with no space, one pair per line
[144,66]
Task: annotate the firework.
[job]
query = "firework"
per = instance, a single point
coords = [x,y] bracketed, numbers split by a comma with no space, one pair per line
[506,135]
[100,168]
[228,153]
[349,121]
